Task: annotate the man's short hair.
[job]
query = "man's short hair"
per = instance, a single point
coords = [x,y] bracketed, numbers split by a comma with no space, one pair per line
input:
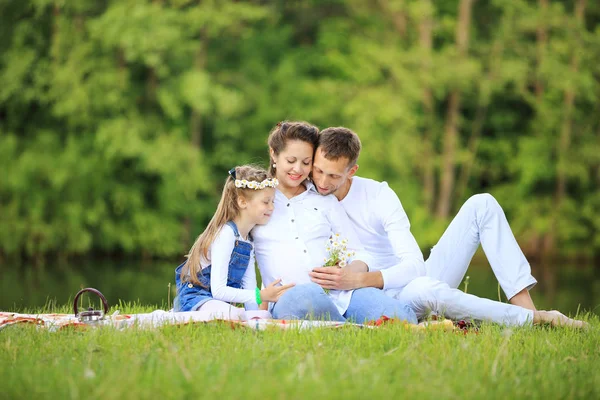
[338,142]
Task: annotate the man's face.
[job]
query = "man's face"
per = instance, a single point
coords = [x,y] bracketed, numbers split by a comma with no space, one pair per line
[329,175]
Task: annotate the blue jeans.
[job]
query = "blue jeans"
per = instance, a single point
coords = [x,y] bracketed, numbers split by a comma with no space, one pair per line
[368,304]
[306,301]
[309,301]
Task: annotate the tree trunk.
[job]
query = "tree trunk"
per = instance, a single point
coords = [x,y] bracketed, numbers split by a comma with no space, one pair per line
[473,145]
[151,87]
[196,118]
[399,17]
[598,166]
[542,39]
[55,39]
[400,21]
[195,136]
[426,41]
[538,240]
[122,68]
[569,101]
[563,145]
[564,141]
[477,127]
[152,81]
[452,116]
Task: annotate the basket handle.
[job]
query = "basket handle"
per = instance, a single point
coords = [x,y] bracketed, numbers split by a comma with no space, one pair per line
[97,293]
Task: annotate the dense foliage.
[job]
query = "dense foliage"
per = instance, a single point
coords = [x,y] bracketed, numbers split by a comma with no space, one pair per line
[120,118]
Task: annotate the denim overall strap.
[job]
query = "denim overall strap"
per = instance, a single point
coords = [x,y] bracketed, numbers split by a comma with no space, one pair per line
[235,229]
[239,260]
[191,297]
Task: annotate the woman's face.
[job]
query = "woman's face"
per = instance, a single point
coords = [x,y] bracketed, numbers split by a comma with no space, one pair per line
[294,163]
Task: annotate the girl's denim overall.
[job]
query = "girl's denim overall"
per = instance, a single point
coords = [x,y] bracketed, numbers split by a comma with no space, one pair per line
[190,297]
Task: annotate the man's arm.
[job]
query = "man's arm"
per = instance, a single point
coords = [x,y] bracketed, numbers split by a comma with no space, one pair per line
[395,222]
[397,227]
[353,276]
[356,274]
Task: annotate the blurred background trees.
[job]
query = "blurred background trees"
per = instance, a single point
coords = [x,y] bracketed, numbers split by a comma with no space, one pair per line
[120,119]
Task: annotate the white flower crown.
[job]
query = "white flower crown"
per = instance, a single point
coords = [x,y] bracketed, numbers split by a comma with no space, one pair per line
[269,182]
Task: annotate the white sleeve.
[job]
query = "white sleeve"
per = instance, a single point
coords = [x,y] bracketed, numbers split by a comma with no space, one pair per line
[340,223]
[249,282]
[220,254]
[395,223]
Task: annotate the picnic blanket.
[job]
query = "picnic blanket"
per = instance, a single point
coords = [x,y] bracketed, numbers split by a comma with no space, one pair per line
[258,320]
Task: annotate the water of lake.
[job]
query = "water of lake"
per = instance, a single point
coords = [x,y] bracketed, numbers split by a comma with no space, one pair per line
[24,287]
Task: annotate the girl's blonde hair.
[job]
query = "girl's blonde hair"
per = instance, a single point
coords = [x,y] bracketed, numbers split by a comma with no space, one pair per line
[227,210]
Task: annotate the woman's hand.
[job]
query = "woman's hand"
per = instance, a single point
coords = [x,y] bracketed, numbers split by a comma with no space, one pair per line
[273,293]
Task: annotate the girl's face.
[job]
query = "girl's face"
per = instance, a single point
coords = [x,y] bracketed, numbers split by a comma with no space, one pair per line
[259,206]
[293,163]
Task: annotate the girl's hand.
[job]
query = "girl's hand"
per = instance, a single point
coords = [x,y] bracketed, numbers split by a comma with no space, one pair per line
[273,293]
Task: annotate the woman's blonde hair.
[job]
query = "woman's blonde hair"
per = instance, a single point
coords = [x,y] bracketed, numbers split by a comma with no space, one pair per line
[227,210]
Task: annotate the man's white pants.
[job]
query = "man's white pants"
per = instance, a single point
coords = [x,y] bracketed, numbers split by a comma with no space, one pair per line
[481,220]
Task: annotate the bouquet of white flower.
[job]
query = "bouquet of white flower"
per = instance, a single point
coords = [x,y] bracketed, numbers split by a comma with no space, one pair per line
[338,253]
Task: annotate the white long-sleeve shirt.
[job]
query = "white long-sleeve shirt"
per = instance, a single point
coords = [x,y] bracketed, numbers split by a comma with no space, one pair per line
[219,256]
[294,240]
[384,229]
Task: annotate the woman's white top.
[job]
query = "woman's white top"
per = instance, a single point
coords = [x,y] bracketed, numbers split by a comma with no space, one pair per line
[294,240]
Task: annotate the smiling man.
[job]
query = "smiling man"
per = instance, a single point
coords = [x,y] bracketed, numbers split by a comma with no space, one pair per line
[398,266]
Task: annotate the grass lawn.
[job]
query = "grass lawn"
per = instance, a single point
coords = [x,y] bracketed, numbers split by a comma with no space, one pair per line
[215,361]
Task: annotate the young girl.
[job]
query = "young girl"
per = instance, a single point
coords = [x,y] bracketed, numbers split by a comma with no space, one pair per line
[220,265]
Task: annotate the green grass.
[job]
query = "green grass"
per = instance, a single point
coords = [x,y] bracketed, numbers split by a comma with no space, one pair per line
[215,361]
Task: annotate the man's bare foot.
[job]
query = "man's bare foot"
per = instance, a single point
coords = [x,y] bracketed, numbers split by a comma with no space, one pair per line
[556,318]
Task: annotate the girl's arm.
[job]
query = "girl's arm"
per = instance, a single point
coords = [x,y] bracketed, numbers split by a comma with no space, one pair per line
[220,254]
[249,282]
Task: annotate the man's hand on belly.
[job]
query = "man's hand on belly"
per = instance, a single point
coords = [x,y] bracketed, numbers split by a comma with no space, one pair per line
[347,278]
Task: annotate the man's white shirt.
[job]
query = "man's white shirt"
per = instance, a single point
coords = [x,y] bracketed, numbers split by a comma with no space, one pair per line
[384,230]
[294,240]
